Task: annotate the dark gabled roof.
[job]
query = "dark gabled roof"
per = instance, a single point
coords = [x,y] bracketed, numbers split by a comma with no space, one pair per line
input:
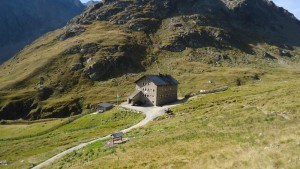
[117,135]
[160,79]
[105,105]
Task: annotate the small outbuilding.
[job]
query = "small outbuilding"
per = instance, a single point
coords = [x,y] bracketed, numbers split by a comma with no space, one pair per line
[117,137]
[102,107]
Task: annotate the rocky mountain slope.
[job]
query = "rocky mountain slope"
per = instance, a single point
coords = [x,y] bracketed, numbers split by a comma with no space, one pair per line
[24,21]
[100,52]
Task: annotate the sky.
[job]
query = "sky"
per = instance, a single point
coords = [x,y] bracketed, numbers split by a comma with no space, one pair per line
[291,5]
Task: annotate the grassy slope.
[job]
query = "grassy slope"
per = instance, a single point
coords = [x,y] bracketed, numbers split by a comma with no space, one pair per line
[49,62]
[27,152]
[47,54]
[17,130]
[20,75]
[252,126]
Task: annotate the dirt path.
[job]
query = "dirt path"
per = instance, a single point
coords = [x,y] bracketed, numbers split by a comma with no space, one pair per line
[150,112]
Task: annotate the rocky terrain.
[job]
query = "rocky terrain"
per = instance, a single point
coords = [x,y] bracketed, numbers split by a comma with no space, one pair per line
[60,74]
[24,21]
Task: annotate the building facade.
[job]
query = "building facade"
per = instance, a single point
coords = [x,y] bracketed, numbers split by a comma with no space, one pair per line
[154,90]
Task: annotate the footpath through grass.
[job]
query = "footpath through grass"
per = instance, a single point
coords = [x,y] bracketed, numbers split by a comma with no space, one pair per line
[26,153]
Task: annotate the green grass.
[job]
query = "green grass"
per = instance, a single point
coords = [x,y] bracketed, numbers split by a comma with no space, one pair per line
[255,125]
[210,131]
[25,153]
[17,130]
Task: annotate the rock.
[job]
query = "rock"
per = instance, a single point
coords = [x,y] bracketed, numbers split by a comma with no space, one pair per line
[88,106]
[144,24]
[269,56]
[17,109]
[287,47]
[76,67]
[285,53]
[153,58]
[62,109]
[261,134]
[174,47]
[43,93]
[89,60]
[89,48]
[73,50]
[71,32]
[2,122]
[97,70]
[42,80]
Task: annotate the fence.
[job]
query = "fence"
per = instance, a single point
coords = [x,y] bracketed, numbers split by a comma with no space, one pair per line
[207,91]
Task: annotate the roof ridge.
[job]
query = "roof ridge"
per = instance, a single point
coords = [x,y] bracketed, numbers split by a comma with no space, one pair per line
[161,79]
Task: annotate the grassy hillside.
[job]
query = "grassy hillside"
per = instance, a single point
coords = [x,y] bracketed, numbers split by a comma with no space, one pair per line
[25,129]
[252,47]
[255,125]
[102,51]
[25,153]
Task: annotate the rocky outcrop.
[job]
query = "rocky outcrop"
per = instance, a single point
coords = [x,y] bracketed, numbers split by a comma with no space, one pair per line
[90,48]
[71,31]
[76,67]
[144,24]
[29,108]
[61,110]
[269,56]
[285,53]
[112,65]
[73,50]
[260,17]
[17,109]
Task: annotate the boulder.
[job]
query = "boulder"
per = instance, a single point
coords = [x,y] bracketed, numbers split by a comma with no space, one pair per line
[97,70]
[76,67]
[73,50]
[71,32]
[144,24]
[285,53]
[89,48]
[269,56]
